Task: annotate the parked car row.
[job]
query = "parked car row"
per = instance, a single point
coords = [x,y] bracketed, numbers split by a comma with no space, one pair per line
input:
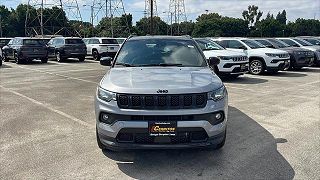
[272,54]
[26,49]
[237,55]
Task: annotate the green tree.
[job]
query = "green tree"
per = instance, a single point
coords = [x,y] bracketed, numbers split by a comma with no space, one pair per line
[5,21]
[143,26]
[121,26]
[282,17]
[252,15]
[304,27]
[211,25]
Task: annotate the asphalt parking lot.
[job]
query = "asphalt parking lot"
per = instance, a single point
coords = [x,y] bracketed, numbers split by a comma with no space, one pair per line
[47,127]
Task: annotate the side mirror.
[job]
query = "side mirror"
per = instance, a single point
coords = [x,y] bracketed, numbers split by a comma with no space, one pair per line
[106,61]
[243,47]
[213,61]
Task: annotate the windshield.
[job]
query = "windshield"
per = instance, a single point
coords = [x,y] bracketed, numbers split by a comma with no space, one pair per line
[265,42]
[74,41]
[303,42]
[313,41]
[280,44]
[253,44]
[290,42]
[156,52]
[109,41]
[33,42]
[206,44]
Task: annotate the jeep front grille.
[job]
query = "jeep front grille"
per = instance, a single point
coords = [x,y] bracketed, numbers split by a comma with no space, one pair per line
[175,101]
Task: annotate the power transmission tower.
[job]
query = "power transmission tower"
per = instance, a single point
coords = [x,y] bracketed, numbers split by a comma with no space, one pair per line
[45,17]
[110,9]
[150,13]
[177,14]
[148,8]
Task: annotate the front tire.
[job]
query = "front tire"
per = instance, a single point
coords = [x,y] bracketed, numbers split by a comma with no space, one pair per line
[44,60]
[256,67]
[58,57]
[82,58]
[17,59]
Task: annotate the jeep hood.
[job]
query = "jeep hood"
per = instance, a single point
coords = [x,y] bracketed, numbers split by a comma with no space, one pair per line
[267,50]
[148,80]
[215,53]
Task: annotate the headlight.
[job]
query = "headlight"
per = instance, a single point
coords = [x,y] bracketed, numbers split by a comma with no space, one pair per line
[106,95]
[272,55]
[298,52]
[224,57]
[218,94]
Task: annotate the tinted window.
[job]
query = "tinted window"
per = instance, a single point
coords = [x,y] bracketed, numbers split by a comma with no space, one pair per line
[290,42]
[94,41]
[313,41]
[160,51]
[302,42]
[74,41]
[206,44]
[280,44]
[234,44]
[265,43]
[253,44]
[33,42]
[109,41]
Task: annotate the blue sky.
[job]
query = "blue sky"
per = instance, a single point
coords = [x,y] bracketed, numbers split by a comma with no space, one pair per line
[308,9]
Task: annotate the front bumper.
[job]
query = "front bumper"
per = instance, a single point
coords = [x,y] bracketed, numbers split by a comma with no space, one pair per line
[112,143]
[278,64]
[109,133]
[233,68]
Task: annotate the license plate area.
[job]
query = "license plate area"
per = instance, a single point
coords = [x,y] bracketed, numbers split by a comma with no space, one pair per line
[162,128]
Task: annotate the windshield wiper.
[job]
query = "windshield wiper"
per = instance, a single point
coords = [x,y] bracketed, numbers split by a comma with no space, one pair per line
[162,64]
[125,64]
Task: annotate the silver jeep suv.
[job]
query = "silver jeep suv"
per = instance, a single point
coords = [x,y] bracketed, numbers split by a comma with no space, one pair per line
[160,93]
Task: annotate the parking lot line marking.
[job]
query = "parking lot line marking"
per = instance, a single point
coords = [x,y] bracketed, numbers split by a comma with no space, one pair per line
[33,81]
[58,75]
[50,108]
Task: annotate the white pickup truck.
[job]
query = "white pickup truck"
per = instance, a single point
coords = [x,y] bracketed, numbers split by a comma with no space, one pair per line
[99,47]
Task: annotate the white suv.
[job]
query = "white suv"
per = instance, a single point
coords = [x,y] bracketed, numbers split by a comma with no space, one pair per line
[101,46]
[296,42]
[261,58]
[232,63]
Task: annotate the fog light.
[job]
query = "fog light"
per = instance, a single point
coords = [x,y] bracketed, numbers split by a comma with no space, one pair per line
[218,116]
[105,117]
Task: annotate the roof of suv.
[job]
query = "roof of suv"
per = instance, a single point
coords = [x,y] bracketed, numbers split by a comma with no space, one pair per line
[67,38]
[229,38]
